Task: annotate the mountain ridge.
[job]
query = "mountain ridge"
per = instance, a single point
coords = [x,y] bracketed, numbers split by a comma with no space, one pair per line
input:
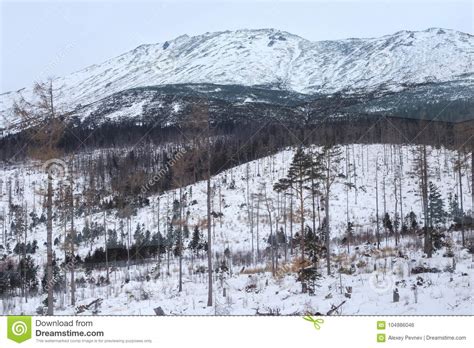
[271,57]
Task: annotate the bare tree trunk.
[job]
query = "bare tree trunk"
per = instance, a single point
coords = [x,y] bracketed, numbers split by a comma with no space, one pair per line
[128,243]
[347,205]
[180,240]
[72,241]
[291,225]
[302,218]
[251,231]
[105,248]
[24,252]
[49,252]
[272,237]
[326,206]
[328,250]
[377,202]
[472,190]
[355,175]
[258,236]
[158,215]
[395,194]
[47,131]
[284,222]
[313,202]
[209,236]
[249,209]
[461,198]
[276,243]
[401,187]
[424,192]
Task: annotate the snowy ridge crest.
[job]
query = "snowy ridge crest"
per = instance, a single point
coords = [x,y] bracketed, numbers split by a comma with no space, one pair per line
[269,57]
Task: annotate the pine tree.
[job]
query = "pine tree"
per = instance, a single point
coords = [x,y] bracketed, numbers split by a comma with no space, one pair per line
[437,214]
[314,246]
[411,221]
[56,280]
[112,240]
[455,212]
[159,244]
[195,242]
[387,223]
[28,267]
[299,174]
[18,224]
[138,236]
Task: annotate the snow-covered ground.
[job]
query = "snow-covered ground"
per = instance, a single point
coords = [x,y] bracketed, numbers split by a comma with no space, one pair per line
[248,288]
[372,292]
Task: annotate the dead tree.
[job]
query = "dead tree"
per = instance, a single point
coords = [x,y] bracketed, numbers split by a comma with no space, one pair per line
[330,162]
[46,126]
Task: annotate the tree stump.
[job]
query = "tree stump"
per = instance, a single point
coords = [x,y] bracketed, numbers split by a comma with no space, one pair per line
[159,311]
[396,295]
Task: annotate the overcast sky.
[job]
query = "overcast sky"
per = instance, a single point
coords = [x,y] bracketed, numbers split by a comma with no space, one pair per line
[54,38]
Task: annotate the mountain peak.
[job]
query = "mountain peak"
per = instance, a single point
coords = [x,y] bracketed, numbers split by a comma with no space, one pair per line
[436,30]
[272,57]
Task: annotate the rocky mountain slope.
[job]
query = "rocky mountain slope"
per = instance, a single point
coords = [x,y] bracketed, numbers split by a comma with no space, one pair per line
[272,60]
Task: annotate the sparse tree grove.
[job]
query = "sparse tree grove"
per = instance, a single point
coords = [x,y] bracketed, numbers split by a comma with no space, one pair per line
[210,206]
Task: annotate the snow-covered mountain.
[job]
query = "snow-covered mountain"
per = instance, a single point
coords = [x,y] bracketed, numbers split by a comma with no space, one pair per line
[277,60]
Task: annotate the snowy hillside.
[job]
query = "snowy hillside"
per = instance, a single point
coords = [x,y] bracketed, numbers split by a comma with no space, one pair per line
[371,273]
[276,60]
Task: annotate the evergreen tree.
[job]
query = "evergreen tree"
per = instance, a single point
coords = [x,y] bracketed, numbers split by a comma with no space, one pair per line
[86,235]
[158,245]
[299,174]
[34,219]
[138,235]
[57,280]
[411,221]
[195,242]
[437,214]
[112,240]
[185,231]
[178,247]
[314,246]
[281,237]
[29,271]
[387,223]
[455,212]
[18,226]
